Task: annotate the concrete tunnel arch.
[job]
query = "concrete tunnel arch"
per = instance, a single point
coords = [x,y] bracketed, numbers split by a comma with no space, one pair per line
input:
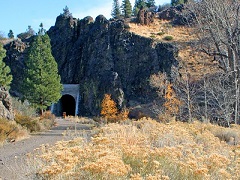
[68,102]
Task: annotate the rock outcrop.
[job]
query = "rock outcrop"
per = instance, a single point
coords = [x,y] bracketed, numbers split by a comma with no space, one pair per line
[179,15]
[145,17]
[104,57]
[15,55]
[5,105]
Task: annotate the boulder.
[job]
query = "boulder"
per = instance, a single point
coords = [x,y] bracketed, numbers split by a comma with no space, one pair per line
[145,17]
[179,15]
[5,105]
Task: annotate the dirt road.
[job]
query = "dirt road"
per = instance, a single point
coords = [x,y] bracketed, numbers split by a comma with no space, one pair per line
[13,163]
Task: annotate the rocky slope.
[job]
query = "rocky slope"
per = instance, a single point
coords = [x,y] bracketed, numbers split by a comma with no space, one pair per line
[103,57]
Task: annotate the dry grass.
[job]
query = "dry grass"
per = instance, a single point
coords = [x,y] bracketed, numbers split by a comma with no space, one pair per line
[36,124]
[192,60]
[144,150]
[161,28]
[11,131]
[196,63]
[81,120]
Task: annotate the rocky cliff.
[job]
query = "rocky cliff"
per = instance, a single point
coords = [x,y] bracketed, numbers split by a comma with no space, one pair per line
[103,57]
[5,105]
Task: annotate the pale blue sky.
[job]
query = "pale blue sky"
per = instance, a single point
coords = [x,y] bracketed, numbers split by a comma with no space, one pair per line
[18,14]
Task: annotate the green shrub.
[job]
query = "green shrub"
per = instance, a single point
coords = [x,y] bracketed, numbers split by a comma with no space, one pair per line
[153,36]
[23,108]
[168,38]
[160,33]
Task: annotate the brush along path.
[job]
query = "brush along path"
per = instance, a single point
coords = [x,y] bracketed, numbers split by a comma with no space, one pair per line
[13,159]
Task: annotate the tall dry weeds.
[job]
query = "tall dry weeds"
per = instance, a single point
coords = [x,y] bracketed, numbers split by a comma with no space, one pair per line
[144,150]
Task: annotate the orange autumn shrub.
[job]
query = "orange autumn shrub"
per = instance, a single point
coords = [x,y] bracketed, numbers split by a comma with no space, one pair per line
[172,103]
[108,107]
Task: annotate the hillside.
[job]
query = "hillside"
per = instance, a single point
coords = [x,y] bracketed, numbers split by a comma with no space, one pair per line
[183,37]
[120,57]
[103,57]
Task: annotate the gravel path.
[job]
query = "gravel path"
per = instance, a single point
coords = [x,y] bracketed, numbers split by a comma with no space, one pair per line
[13,164]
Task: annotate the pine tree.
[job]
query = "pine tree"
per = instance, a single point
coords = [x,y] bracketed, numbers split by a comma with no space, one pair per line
[29,33]
[116,13]
[41,31]
[138,5]
[66,12]
[109,107]
[10,34]
[177,2]
[5,76]
[41,85]
[150,3]
[126,8]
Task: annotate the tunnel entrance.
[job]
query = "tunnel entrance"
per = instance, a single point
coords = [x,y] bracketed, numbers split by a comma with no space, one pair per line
[68,105]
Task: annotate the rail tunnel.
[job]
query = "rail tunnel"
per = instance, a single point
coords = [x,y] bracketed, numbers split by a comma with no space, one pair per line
[68,105]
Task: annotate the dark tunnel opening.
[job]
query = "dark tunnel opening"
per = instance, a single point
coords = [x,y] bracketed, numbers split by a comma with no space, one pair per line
[68,105]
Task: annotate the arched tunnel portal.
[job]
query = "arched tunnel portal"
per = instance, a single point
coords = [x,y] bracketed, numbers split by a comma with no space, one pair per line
[68,102]
[68,105]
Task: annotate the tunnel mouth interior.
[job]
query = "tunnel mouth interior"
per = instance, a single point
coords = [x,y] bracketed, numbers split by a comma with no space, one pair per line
[68,105]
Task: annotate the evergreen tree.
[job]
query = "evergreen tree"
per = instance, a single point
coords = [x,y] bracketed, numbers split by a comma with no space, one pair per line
[41,85]
[150,3]
[41,31]
[177,2]
[10,34]
[126,8]
[29,32]
[116,13]
[5,77]
[66,12]
[163,7]
[138,5]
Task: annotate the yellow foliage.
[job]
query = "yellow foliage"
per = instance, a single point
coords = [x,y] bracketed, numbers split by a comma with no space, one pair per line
[172,103]
[109,108]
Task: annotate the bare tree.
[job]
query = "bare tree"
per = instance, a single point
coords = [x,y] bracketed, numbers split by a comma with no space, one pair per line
[219,33]
[185,88]
[220,98]
[160,82]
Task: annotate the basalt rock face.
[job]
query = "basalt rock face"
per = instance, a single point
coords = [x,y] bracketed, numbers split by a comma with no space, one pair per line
[16,51]
[145,17]
[103,57]
[178,15]
[5,105]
